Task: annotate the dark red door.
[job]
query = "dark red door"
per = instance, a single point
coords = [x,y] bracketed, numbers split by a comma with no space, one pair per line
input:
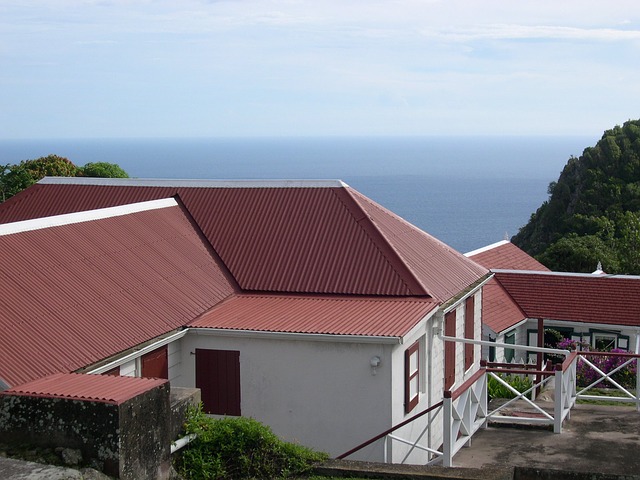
[156,364]
[218,378]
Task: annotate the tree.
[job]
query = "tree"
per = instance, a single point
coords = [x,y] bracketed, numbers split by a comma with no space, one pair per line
[593,210]
[16,177]
[103,170]
[575,253]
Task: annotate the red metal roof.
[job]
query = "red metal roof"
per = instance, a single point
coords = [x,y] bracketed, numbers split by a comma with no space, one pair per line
[282,238]
[442,271]
[95,388]
[336,315]
[77,293]
[499,311]
[505,256]
[605,299]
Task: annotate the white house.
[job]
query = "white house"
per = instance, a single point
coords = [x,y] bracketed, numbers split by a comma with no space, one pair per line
[524,298]
[303,304]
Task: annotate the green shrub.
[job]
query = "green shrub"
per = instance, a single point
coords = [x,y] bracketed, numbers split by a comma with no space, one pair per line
[497,390]
[240,447]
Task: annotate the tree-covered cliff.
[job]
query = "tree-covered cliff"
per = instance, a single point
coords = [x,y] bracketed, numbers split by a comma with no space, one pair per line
[593,211]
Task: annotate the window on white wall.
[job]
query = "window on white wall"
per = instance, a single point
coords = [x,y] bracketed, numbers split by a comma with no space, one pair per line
[412,376]
[509,353]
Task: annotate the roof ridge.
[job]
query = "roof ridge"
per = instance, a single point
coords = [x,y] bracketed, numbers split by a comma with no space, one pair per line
[567,274]
[85,216]
[414,282]
[195,183]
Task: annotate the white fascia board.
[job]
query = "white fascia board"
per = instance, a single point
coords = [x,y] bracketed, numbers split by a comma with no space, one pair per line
[193,183]
[87,216]
[467,295]
[486,248]
[603,326]
[568,274]
[137,353]
[307,337]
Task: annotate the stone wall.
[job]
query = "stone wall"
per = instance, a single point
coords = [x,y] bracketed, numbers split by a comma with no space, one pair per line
[130,440]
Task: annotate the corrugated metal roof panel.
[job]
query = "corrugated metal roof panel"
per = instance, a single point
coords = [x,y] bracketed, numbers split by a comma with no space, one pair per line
[499,311]
[299,240]
[95,388]
[440,269]
[335,315]
[116,283]
[505,256]
[606,299]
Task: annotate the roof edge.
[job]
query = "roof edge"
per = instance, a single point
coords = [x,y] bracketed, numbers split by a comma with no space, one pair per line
[79,217]
[566,274]
[486,248]
[194,183]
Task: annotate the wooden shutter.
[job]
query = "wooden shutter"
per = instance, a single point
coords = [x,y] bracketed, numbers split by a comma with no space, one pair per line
[218,378]
[412,377]
[156,364]
[449,350]
[469,330]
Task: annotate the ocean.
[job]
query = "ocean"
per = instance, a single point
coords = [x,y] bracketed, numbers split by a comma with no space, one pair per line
[466,191]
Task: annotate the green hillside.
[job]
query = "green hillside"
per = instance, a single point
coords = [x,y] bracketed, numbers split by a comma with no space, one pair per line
[593,211]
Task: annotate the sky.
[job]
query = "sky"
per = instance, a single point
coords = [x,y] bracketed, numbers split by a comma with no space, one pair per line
[197,68]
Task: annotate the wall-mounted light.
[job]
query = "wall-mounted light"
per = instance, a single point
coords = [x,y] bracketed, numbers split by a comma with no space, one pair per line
[375,363]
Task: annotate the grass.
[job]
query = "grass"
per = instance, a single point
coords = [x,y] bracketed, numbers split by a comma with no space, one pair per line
[605,392]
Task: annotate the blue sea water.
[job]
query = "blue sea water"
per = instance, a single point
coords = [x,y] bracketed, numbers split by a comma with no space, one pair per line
[466,191]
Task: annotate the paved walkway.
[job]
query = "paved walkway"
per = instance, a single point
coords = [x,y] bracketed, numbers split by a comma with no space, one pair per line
[596,439]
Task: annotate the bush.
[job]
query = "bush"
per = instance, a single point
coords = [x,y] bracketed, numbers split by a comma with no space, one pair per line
[626,376]
[240,447]
[497,390]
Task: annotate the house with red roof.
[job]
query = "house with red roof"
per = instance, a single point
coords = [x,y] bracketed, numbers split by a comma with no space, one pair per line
[303,304]
[524,297]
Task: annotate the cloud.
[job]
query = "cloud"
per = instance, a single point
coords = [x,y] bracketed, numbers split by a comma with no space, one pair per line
[536,32]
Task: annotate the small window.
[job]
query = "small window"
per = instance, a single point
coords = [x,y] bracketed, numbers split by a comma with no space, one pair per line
[604,341]
[509,353]
[412,376]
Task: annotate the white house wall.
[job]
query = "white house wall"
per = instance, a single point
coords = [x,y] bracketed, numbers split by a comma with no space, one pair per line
[321,394]
[174,360]
[432,390]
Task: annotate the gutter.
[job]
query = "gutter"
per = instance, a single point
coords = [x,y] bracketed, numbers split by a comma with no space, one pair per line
[308,337]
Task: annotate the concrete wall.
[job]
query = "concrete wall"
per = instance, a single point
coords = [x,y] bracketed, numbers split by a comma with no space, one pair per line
[321,394]
[130,440]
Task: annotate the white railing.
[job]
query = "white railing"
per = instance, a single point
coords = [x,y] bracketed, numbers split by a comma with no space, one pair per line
[630,396]
[465,412]
[435,455]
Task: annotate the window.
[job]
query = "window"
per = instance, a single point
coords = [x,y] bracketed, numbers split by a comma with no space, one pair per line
[469,330]
[509,353]
[604,341]
[412,376]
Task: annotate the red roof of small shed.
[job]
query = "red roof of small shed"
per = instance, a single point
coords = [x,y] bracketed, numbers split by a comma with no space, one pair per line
[94,388]
[75,292]
[334,315]
[293,237]
[605,299]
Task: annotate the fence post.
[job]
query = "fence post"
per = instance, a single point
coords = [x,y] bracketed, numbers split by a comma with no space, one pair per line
[638,384]
[447,439]
[559,402]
